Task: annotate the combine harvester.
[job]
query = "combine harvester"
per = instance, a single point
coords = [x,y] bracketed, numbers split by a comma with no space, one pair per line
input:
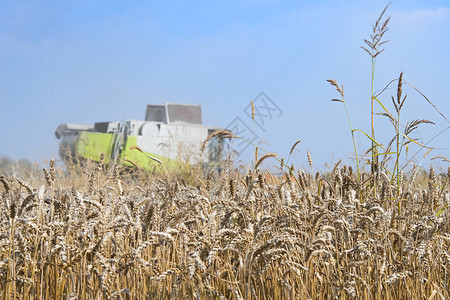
[171,134]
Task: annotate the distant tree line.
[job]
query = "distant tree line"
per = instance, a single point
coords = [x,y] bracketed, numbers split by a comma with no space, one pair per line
[20,168]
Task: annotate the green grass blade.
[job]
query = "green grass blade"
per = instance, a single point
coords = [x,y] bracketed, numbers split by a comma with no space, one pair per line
[384,107]
[415,142]
[441,210]
[369,138]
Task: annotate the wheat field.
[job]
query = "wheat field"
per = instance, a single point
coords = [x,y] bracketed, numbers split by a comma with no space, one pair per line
[100,233]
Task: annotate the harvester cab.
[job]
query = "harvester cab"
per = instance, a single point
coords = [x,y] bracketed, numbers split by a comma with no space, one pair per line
[170,134]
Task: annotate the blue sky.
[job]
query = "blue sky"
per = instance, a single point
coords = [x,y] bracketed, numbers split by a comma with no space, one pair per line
[87,61]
